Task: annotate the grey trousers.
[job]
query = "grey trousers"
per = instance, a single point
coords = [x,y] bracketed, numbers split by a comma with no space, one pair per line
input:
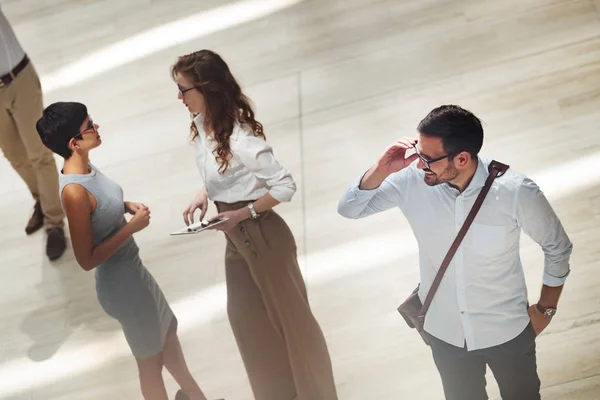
[513,364]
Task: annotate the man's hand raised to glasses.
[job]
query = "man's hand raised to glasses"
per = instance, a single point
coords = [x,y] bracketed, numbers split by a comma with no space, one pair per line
[392,160]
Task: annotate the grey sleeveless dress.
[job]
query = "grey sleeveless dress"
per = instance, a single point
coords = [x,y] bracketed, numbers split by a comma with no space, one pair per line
[126,289]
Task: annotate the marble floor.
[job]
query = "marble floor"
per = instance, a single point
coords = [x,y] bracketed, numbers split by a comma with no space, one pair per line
[334,82]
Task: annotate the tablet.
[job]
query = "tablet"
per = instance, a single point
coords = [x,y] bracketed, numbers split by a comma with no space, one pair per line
[198,227]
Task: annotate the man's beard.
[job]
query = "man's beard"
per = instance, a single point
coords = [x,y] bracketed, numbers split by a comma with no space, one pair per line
[447,175]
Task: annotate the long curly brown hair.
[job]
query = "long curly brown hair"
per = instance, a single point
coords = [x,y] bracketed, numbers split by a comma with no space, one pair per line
[226,105]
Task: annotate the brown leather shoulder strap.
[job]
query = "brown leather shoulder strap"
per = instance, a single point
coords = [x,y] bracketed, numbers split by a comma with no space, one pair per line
[496,169]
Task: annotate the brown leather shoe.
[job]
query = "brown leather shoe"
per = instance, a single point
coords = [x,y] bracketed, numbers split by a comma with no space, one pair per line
[56,244]
[36,221]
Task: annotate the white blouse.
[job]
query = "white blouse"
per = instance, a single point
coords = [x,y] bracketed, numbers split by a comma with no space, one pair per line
[253,170]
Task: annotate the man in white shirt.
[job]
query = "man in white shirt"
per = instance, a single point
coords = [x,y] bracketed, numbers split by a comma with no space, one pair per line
[480,313]
[21,105]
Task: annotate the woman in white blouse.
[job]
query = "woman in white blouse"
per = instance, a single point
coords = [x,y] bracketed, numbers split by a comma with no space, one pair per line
[280,341]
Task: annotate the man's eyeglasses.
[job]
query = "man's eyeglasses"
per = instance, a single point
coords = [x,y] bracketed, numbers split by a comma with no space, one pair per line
[90,126]
[427,162]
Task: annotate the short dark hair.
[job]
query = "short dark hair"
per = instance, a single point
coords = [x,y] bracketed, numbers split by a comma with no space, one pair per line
[59,123]
[459,129]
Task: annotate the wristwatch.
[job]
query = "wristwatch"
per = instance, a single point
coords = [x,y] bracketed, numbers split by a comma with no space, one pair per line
[548,312]
[253,213]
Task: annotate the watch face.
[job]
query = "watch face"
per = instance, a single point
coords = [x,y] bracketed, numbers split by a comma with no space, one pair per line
[550,312]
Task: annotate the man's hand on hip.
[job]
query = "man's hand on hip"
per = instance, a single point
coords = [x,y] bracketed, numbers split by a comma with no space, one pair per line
[538,319]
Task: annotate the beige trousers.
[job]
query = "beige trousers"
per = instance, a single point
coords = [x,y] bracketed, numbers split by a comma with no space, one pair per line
[280,341]
[21,106]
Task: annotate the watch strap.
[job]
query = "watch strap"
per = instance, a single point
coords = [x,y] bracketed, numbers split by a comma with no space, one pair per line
[548,312]
[253,213]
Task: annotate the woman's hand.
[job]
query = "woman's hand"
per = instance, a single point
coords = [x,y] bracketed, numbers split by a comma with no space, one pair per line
[132,208]
[140,220]
[200,202]
[235,217]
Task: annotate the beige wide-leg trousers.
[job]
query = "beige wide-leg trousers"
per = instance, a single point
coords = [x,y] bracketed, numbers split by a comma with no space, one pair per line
[280,341]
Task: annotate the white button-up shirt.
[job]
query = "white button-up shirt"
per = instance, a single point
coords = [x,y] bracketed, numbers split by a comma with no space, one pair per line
[253,169]
[482,299]
[11,52]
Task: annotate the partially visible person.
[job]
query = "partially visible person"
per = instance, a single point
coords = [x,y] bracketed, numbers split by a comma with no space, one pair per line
[102,240]
[21,106]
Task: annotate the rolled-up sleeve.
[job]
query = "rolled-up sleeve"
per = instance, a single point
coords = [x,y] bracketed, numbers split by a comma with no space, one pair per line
[539,221]
[356,203]
[257,155]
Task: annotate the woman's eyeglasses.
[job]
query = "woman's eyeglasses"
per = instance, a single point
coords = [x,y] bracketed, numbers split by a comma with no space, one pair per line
[90,126]
[182,91]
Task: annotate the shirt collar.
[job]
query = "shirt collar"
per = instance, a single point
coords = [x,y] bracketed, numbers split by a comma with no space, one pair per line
[481,175]
[198,120]
[479,178]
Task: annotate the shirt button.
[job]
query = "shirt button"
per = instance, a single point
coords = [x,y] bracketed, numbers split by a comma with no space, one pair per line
[247,243]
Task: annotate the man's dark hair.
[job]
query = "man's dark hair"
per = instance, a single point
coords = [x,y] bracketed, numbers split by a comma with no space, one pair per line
[459,129]
[60,122]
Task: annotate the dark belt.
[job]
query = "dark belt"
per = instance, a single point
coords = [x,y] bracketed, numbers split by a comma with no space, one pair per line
[8,78]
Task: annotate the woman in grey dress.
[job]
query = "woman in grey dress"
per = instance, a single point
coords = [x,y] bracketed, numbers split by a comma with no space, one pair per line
[102,240]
